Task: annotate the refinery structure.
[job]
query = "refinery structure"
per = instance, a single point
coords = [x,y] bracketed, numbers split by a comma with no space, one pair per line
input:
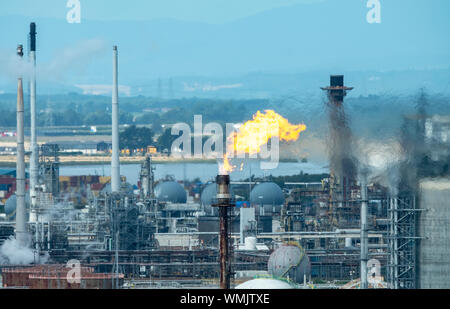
[350,230]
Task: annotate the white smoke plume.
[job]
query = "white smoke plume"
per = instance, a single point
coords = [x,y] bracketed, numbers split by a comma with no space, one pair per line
[12,253]
[74,58]
[381,162]
[11,66]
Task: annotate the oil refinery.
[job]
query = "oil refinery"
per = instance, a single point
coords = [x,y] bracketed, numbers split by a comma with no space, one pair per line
[360,226]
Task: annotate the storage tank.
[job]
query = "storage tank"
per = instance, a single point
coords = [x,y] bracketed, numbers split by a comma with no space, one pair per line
[434,226]
[264,284]
[290,261]
[11,203]
[170,191]
[267,198]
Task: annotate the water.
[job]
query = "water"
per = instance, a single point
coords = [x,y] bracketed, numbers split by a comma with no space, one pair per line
[190,171]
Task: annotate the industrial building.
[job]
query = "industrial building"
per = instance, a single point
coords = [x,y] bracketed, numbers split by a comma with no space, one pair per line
[346,231]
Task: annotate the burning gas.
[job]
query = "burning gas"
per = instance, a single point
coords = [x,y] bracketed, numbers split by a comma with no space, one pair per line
[257,132]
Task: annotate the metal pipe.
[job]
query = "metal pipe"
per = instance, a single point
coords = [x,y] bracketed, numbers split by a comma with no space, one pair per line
[48,236]
[20,164]
[241,226]
[115,163]
[34,169]
[42,234]
[36,237]
[364,236]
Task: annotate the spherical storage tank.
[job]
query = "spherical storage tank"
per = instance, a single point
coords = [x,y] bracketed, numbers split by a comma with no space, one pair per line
[289,261]
[11,204]
[170,191]
[269,195]
[264,284]
[208,197]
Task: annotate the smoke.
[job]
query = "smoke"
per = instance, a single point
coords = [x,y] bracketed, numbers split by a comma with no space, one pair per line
[362,159]
[340,143]
[381,162]
[12,66]
[74,58]
[59,212]
[398,163]
[423,140]
[12,253]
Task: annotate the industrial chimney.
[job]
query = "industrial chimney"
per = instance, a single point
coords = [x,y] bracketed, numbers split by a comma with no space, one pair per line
[337,91]
[115,164]
[21,231]
[34,159]
[224,204]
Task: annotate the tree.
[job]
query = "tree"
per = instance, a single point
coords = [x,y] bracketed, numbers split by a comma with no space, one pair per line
[8,118]
[152,119]
[68,117]
[96,118]
[165,140]
[147,118]
[125,117]
[135,138]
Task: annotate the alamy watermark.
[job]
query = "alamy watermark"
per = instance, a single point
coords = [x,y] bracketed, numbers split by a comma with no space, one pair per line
[74,14]
[74,274]
[374,14]
[217,144]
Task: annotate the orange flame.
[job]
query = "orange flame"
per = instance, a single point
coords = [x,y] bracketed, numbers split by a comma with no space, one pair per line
[257,132]
[227,167]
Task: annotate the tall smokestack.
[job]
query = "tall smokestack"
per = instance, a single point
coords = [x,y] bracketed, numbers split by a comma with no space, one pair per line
[224,203]
[342,161]
[21,231]
[115,164]
[337,91]
[34,169]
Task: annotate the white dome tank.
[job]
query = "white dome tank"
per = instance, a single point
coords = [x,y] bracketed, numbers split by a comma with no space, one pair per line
[264,284]
[290,261]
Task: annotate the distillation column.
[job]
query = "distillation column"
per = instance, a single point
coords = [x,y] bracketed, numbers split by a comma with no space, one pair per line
[115,163]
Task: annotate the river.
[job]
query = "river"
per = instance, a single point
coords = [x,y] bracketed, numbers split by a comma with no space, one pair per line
[190,171]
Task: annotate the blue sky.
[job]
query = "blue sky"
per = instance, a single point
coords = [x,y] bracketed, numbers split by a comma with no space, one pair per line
[222,39]
[210,11]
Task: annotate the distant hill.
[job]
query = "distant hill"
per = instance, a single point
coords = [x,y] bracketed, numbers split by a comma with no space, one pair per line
[277,52]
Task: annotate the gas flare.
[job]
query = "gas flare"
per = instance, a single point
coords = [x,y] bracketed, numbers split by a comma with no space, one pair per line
[257,132]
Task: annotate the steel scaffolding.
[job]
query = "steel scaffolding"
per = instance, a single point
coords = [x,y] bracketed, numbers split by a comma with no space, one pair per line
[402,242]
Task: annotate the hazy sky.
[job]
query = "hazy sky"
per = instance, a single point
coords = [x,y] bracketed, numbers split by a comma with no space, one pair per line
[223,38]
[210,11]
